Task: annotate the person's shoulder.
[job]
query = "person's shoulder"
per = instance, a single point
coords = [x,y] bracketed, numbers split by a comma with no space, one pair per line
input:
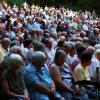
[6,74]
[53,66]
[78,67]
[29,68]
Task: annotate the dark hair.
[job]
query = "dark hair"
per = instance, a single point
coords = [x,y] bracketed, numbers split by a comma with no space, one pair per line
[80,50]
[27,42]
[58,53]
[39,47]
[86,56]
[60,43]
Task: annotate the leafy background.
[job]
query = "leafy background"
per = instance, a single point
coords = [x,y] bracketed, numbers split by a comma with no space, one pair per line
[74,4]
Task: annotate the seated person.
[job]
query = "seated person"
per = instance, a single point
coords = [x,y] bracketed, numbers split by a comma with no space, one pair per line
[38,79]
[94,67]
[13,86]
[63,78]
[81,73]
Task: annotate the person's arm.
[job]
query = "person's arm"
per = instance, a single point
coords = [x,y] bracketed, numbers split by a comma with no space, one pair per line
[39,87]
[58,81]
[7,92]
[25,89]
[53,87]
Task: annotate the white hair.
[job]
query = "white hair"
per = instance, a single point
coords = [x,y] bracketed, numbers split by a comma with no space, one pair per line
[38,56]
[97,46]
[14,48]
[97,51]
[14,58]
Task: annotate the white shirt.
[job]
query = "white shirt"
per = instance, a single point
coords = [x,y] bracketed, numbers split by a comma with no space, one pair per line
[94,64]
[51,54]
[85,27]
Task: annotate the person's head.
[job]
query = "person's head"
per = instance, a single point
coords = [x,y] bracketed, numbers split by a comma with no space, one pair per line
[78,44]
[15,29]
[67,46]
[97,46]
[82,34]
[96,31]
[15,61]
[38,46]
[86,41]
[14,43]
[86,58]
[72,49]
[38,59]
[28,43]
[60,57]
[90,49]
[48,43]
[97,54]
[6,43]
[80,50]
[60,43]
[16,49]
[46,35]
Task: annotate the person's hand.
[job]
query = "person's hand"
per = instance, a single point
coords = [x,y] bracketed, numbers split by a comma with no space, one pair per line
[62,98]
[52,91]
[73,91]
[26,98]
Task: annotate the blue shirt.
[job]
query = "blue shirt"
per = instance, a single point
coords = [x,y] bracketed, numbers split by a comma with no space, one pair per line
[33,75]
[36,26]
[30,27]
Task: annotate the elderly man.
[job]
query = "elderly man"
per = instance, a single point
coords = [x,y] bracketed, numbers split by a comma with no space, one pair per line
[13,86]
[38,80]
[5,44]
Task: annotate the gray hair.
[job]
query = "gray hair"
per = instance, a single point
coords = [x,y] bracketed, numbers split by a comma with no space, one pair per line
[5,40]
[15,49]
[38,56]
[97,52]
[97,46]
[14,58]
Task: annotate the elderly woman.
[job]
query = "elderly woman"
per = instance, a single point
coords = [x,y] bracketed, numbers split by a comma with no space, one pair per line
[13,86]
[63,78]
[4,64]
[38,80]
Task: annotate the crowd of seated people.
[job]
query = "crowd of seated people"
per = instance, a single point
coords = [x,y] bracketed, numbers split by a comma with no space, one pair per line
[49,53]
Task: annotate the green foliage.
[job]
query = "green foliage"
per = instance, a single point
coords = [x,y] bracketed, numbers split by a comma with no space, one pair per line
[17,2]
[81,4]
[90,4]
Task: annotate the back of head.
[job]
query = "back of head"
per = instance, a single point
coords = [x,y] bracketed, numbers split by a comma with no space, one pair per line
[16,49]
[5,40]
[38,57]
[86,56]
[39,47]
[14,59]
